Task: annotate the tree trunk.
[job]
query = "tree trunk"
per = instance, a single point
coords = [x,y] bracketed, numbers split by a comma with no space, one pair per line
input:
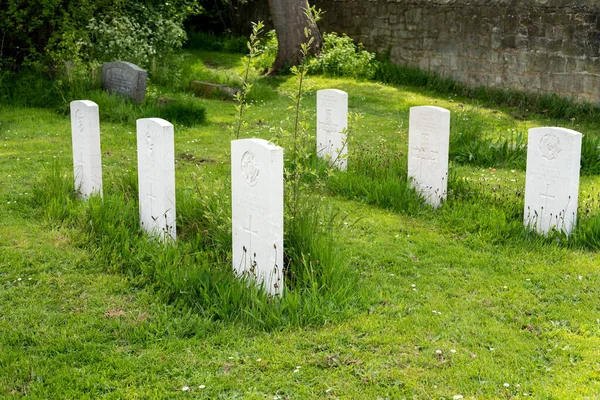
[290,19]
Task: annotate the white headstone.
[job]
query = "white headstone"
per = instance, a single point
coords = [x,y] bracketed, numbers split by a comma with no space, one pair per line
[428,145]
[156,177]
[87,157]
[552,179]
[257,212]
[332,122]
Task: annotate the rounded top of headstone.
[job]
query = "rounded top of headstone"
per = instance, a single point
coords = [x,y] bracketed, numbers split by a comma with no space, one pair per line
[121,64]
[257,142]
[86,103]
[157,121]
[430,108]
[555,130]
[332,91]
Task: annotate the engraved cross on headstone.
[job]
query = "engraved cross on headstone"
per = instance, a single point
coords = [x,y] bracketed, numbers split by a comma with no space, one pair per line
[422,154]
[152,200]
[546,196]
[251,233]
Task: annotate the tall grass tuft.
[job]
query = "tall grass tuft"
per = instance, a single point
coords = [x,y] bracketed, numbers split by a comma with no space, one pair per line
[550,105]
[181,109]
[587,232]
[590,155]
[469,146]
[195,273]
[473,207]
[56,199]
[378,176]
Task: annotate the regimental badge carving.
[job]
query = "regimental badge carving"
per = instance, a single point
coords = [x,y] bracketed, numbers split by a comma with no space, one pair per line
[550,147]
[149,140]
[250,169]
[79,120]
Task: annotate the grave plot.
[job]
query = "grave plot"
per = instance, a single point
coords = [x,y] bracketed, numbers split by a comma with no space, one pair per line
[428,144]
[552,179]
[257,212]
[332,122]
[156,177]
[87,157]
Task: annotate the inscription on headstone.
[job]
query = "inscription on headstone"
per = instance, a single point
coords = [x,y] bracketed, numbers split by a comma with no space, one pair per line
[257,212]
[332,122]
[428,145]
[156,177]
[87,157]
[125,79]
[552,179]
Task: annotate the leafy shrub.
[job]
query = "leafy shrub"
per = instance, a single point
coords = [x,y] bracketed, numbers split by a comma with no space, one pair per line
[44,35]
[122,37]
[341,57]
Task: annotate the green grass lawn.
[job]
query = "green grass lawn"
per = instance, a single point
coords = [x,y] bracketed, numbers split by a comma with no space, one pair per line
[453,304]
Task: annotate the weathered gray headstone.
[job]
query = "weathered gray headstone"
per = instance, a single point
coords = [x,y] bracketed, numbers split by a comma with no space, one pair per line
[125,79]
[156,177]
[87,157]
[332,122]
[428,145]
[552,179]
[257,212]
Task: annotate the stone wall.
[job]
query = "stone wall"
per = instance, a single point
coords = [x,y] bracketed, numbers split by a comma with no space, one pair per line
[543,46]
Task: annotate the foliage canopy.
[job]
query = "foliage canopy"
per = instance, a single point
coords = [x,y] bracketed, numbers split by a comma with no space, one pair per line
[48,33]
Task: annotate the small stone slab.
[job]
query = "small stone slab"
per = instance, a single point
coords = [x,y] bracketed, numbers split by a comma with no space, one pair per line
[87,157]
[552,179]
[257,212]
[428,145]
[156,177]
[211,90]
[125,79]
[332,122]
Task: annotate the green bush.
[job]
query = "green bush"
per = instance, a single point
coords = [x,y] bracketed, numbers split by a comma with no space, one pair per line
[140,39]
[45,35]
[341,57]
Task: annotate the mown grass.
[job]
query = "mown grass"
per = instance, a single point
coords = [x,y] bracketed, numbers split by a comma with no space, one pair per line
[456,303]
